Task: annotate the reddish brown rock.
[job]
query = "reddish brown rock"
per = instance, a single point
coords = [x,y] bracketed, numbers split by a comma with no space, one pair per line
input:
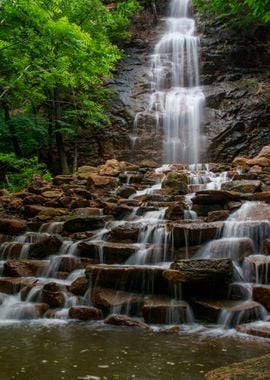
[85,313]
[12,285]
[123,320]
[106,252]
[244,186]
[108,298]
[53,294]
[194,233]
[87,223]
[79,286]
[216,197]
[262,330]
[63,180]
[12,226]
[157,310]
[261,294]
[215,216]
[49,245]
[175,211]
[126,232]
[31,210]
[24,268]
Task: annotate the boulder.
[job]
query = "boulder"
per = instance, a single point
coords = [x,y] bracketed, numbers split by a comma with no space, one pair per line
[28,310]
[11,250]
[53,294]
[216,196]
[102,181]
[106,252]
[125,191]
[31,210]
[175,211]
[63,180]
[87,223]
[204,278]
[157,310]
[123,320]
[257,269]
[110,168]
[79,286]
[25,268]
[126,232]
[215,216]
[71,263]
[86,171]
[176,182]
[252,369]
[12,226]
[48,245]
[110,298]
[261,294]
[85,313]
[243,186]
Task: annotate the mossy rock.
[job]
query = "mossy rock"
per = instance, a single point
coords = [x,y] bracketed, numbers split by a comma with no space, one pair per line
[176,182]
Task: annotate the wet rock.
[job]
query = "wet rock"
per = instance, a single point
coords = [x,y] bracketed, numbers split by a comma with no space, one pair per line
[261,294]
[252,369]
[126,232]
[176,182]
[110,298]
[106,252]
[262,197]
[244,186]
[204,278]
[79,204]
[139,279]
[126,191]
[216,196]
[71,263]
[12,285]
[79,286]
[266,247]
[202,210]
[257,269]
[123,320]
[85,313]
[87,223]
[29,310]
[49,245]
[11,250]
[175,211]
[53,294]
[260,329]
[195,233]
[157,310]
[12,226]
[233,248]
[215,216]
[24,268]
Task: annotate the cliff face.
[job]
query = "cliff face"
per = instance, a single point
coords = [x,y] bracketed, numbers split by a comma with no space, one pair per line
[235,74]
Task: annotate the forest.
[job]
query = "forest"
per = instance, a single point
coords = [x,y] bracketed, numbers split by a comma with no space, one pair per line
[56,57]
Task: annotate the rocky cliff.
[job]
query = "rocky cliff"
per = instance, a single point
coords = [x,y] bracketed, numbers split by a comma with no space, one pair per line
[235,77]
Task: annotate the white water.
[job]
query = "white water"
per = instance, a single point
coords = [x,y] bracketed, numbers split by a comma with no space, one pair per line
[177,100]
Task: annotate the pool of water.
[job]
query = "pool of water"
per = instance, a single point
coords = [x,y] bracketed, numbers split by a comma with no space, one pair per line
[94,352]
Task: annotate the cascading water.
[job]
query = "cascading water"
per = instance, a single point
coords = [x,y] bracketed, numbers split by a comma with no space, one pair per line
[177,100]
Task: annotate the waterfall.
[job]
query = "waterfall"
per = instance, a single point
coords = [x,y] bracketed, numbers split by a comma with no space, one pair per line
[177,100]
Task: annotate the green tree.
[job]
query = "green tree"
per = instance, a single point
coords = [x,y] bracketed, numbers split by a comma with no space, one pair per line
[237,12]
[55,55]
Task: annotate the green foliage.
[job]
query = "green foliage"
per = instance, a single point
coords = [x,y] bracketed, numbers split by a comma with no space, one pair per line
[237,12]
[54,57]
[19,172]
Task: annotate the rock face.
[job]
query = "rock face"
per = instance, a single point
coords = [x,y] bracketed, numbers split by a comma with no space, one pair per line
[252,369]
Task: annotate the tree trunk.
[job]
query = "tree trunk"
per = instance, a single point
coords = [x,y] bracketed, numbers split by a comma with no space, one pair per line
[15,143]
[58,135]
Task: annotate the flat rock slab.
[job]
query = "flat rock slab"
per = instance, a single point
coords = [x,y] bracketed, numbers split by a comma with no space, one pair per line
[261,329]
[216,196]
[252,369]
[106,252]
[139,279]
[25,268]
[123,320]
[12,226]
[110,298]
[127,231]
[243,186]
[162,310]
[87,223]
[195,233]
[12,285]
[204,278]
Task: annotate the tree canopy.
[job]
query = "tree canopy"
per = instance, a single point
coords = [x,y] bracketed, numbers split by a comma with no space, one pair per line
[237,12]
[54,57]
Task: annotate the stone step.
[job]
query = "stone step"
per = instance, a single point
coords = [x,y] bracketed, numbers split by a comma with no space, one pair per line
[260,329]
[25,268]
[111,299]
[195,233]
[12,285]
[139,279]
[163,310]
[107,252]
[226,312]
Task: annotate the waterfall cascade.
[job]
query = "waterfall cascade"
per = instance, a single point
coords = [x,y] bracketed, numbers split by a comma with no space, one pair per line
[130,248]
